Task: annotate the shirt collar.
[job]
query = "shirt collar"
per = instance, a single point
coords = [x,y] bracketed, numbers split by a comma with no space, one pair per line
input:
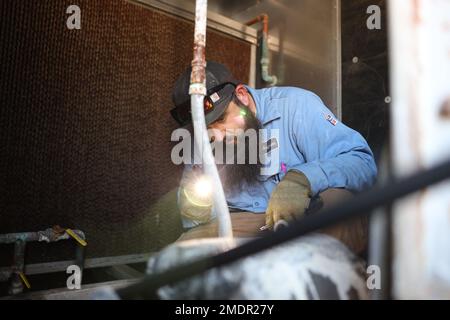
[265,111]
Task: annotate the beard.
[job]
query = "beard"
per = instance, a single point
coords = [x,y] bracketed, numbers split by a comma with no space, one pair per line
[244,167]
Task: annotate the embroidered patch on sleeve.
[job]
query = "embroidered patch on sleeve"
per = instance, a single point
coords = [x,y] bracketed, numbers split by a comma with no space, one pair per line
[331,119]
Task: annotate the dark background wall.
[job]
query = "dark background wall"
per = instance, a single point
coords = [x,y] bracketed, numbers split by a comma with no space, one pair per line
[365,83]
[84,122]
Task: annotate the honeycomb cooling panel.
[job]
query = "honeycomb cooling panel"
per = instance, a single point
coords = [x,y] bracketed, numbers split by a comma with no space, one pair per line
[85,125]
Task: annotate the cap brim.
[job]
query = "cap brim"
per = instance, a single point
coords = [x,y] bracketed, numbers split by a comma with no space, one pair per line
[219,109]
[211,117]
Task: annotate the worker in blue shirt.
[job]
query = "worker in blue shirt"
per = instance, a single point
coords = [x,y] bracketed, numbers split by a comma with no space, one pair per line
[314,151]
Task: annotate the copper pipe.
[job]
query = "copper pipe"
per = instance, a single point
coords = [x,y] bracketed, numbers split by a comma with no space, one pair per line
[265,60]
[264,18]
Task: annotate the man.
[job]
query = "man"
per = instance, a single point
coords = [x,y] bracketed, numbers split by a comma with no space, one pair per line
[316,153]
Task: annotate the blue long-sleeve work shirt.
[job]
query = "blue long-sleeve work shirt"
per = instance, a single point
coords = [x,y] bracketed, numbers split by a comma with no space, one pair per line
[308,138]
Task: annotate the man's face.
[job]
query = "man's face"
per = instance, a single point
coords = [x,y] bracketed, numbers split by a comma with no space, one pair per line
[233,120]
[229,132]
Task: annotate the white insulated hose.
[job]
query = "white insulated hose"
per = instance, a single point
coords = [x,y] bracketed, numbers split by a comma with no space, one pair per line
[197,90]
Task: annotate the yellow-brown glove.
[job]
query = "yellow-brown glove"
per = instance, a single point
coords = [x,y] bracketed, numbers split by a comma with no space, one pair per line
[290,198]
[195,198]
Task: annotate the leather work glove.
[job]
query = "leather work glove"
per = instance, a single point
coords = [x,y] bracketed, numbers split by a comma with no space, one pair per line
[195,198]
[290,199]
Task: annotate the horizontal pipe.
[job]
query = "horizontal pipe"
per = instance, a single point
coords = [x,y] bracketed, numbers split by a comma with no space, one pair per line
[361,205]
[48,235]
[60,266]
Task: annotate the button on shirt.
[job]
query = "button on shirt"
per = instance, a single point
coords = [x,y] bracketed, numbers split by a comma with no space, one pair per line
[305,136]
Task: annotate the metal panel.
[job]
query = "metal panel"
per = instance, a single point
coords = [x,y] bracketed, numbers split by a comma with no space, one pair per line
[420,47]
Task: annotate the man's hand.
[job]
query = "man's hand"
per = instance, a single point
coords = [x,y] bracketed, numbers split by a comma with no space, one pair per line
[290,198]
[195,200]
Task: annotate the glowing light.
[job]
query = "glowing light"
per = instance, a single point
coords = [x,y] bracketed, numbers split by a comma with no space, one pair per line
[203,188]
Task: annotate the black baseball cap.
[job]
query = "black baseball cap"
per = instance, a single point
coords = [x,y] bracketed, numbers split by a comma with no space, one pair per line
[220,86]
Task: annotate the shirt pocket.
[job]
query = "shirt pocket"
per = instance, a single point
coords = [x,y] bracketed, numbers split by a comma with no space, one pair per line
[269,173]
[276,173]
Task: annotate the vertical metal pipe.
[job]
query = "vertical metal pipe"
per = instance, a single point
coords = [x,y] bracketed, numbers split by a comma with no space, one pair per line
[16,285]
[380,236]
[197,90]
[337,13]
[80,259]
[265,54]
